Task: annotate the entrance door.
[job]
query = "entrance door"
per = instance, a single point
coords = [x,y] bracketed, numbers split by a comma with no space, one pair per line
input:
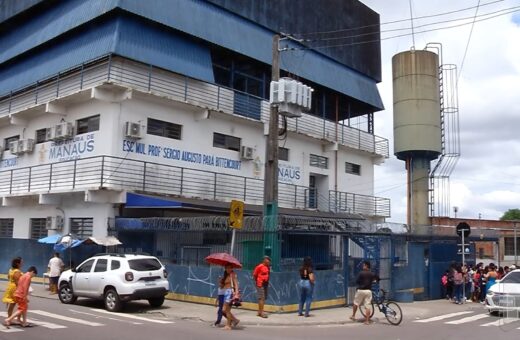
[313,191]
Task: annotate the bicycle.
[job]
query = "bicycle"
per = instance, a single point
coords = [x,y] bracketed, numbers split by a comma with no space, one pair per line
[389,308]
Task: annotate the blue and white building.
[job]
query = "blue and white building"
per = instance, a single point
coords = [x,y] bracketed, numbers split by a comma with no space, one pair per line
[113,110]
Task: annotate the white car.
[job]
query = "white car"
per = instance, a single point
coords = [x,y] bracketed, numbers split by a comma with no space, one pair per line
[115,279]
[504,295]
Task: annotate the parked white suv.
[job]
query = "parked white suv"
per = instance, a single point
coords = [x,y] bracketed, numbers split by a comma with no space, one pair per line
[115,279]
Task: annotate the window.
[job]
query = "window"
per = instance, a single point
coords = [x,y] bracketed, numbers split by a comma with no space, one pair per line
[511,278]
[351,168]
[101,266]
[85,267]
[226,142]
[216,237]
[319,161]
[509,245]
[38,228]
[41,136]
[8,141]
[88,124]
[115,265]
[163,129]
[81,227]
[6,227]
[283,154]
[144,265]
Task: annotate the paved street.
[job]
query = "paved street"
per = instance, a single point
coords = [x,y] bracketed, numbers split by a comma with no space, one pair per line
[87,319]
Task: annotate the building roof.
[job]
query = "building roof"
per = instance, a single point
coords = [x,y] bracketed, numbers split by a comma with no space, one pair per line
[69,33]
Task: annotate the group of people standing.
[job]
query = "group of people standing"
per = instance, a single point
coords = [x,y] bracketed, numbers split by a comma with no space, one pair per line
[462,282]
[229,292]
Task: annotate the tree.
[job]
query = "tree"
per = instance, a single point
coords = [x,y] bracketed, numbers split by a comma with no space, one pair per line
[511,214]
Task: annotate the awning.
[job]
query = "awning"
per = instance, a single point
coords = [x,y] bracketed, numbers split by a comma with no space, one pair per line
[144,201]
[103,241]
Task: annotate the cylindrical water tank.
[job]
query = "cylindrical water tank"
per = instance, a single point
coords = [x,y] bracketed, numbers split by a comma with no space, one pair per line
[417,120]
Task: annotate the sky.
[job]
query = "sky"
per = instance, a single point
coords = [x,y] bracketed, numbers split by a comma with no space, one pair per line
[486,180]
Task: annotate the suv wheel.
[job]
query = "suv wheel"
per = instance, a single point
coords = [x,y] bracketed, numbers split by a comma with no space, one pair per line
[112,301]
[156,302]
[65,294]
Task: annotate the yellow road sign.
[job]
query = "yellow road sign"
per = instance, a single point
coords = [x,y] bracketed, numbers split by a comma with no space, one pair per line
[236,214]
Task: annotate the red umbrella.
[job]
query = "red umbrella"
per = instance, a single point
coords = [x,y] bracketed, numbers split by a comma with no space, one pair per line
[223,259]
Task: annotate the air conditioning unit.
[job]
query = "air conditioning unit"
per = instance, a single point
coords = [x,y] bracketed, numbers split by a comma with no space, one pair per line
[54,223]
[50,133]
[132,130]
[63,131]
[14,148]
[246,152]
[27,145]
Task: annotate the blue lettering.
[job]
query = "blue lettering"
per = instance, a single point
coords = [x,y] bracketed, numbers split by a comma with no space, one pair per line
[139,148]
[128,145]
[90,145]
[154,150]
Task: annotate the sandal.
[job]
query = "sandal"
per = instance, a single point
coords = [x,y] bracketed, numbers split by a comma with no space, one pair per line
[263,316]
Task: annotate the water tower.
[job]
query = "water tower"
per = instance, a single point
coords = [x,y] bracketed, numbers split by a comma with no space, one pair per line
[417,125]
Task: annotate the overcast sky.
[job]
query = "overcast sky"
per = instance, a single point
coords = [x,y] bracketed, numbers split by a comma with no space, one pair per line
[486,180]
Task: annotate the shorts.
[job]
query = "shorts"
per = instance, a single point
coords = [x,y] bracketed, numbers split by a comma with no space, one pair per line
[228,295]
[261,293]
[363,297]
[53,280]
[22,304]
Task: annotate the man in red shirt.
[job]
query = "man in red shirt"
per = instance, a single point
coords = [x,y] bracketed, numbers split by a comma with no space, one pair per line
[20,296]
[261,277]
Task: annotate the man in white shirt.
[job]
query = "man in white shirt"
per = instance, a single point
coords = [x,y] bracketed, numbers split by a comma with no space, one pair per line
[55,267]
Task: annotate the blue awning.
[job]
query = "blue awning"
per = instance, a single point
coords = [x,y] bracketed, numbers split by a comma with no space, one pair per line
[144,201]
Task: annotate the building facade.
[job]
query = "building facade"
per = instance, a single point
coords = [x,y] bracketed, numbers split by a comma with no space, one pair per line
[117,117]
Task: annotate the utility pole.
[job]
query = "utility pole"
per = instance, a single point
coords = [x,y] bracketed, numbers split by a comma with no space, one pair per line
[271,246]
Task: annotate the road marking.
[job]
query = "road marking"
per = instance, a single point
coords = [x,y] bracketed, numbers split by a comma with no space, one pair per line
[468,319]
[130,316]
[49,325]
[105,317]
[502,321]
[66,318]
[10,330]
[442,317]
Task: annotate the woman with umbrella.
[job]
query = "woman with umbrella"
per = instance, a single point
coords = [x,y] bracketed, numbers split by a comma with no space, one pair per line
[229,283]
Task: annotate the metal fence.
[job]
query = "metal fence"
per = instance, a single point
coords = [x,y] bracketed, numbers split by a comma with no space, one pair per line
[136,175]
[150,79]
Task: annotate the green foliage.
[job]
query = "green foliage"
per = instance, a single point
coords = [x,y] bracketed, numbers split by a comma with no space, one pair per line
[511,214]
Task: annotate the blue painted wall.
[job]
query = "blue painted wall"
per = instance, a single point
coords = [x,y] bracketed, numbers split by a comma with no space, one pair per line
[38,255]
[283,287]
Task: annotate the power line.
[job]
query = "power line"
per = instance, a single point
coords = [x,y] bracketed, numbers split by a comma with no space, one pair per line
[404,35]
[473,17]
[400,20]
[467,45]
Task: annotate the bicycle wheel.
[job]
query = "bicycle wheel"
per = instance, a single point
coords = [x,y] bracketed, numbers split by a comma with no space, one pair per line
[363,310]
[393,313]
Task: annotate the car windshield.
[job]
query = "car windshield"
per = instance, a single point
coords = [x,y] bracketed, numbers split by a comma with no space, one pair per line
[511,278]
[142,265]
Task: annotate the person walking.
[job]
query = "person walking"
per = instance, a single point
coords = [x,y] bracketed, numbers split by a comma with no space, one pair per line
[219,302]
[307,280]
[13,276]
[229,283]
[364,292]
[458,281]
[20,295]
[261,277]
[55,267]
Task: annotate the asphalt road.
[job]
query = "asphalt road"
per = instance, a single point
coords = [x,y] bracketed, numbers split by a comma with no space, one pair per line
[87,320]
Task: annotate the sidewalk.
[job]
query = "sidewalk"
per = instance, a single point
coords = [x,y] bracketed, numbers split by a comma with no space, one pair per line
[178,310]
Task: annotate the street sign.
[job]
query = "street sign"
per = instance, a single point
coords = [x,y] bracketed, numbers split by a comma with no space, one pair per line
[236,214]
[463,227]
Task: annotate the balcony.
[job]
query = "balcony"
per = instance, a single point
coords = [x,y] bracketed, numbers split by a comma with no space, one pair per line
[149,79]
[106,172]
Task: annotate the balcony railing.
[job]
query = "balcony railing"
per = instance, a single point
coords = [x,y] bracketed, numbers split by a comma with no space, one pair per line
[358,204]
[157,81]
[128,174]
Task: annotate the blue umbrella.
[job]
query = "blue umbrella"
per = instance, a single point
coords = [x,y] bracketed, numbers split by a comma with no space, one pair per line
[50,239]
